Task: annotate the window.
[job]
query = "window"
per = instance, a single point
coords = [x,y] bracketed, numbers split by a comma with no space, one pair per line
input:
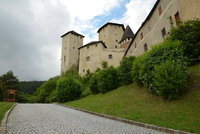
[160,10]
[135,45]
[88,58]
[116,40]
[110,56]
[65,48]
[96,45]
[83,70]
[87,47]
[145,47]
[64,58]
[163,32]
[115,46]
[73,47]
[177,18]
[141,35]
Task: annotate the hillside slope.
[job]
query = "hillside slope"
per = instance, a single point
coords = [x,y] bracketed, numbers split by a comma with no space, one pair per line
[134,102]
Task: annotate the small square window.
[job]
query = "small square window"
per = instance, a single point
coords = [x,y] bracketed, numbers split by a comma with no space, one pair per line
[145,47]
[141,35]
[177,18]
[160,10]
[116,40]
[88,58]
[87,47]
[64,58]
[96,45]
[163,32]
[73,47]
[110,56]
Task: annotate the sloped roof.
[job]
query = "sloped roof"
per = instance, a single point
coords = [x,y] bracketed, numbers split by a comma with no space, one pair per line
[92,43]
[110,23]
[73,32]
[127,34]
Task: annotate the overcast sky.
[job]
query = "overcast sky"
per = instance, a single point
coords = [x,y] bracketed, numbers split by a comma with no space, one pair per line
[30,30]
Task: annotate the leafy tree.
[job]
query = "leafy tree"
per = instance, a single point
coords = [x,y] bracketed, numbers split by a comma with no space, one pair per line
[44,91]
[93,83]
[104,64]
[69,88]
[108,79]
[169,79]
[189,35]
[9,81]
[1,93]
[145,65]
[125,70]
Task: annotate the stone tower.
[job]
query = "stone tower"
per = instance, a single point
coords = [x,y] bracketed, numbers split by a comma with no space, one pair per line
[111,34]
[127,37]
[71,41]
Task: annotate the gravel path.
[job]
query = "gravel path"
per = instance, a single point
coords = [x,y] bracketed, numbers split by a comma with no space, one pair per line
[54,119]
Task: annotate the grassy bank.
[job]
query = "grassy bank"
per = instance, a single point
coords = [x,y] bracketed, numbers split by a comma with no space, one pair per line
[134,102]
[4,106]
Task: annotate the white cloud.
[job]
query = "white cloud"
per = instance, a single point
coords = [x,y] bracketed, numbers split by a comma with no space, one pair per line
[30,42]
[137,11]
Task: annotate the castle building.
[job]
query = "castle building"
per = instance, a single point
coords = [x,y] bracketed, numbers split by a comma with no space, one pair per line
[106,49]
[71,41]
[115,41]
[156,26]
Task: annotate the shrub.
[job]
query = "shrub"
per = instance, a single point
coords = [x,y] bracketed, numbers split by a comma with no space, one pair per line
[136,67]
[1,93]
[53,96]
[43,92]
[168,50]
[69,89]
[93,83]
[86,92]
[188,33]
[169,79]
[125,70]
[108,79]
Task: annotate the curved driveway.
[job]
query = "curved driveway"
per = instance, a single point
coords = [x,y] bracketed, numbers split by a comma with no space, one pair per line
[54,119]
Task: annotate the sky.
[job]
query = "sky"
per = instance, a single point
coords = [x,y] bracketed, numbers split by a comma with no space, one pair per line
[30,30]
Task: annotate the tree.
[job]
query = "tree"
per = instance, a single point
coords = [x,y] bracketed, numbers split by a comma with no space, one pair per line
[8,81]
[125,70]
[189,35]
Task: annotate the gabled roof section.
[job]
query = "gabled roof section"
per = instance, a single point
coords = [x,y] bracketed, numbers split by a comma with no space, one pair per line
[147,18]
[93,43]
[73,32]
[110,23]
[127,34]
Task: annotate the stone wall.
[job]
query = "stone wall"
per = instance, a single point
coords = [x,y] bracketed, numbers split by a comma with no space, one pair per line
[157,26]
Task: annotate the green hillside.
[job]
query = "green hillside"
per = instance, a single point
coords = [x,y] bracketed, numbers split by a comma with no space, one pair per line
[134,102]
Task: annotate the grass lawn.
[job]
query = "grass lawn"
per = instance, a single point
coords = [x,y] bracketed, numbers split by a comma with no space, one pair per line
[134,102]
[4,106]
